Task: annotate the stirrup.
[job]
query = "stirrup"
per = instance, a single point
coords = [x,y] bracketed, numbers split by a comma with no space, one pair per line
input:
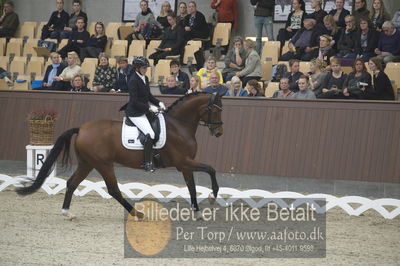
[149,167]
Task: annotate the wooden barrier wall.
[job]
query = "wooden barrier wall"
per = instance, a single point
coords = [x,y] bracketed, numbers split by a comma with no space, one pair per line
[351,140]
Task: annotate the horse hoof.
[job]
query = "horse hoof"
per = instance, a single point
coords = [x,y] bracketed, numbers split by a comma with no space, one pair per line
[139,216]
[199,216]
[211,198]
[68,216]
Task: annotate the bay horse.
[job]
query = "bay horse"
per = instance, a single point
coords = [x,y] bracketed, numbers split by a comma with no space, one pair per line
[98,146]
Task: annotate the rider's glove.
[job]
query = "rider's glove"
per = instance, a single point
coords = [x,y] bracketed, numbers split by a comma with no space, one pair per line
[153,109]
[162,106]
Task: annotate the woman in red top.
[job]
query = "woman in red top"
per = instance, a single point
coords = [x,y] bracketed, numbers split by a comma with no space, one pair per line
[227,11]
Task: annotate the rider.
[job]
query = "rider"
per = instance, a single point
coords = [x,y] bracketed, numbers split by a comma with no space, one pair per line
[138,106]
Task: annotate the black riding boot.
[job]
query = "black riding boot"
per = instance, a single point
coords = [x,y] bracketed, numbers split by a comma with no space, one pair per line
[148,154]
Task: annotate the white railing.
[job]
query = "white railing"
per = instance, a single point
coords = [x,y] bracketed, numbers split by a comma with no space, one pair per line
[254,197]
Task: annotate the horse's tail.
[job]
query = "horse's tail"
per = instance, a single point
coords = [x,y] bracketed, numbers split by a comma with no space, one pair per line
[63,142]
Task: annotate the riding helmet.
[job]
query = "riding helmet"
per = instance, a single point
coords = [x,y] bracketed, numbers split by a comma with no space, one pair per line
[140,61]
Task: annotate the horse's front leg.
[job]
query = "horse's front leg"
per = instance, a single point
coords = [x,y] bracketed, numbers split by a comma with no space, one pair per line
[192,165]
[188,175]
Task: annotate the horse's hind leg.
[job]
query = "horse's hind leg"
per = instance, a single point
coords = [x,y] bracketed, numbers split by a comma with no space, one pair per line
[73,182]
[107,171]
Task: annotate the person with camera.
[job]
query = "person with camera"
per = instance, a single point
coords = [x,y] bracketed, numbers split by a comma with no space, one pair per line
[357,81]
[182,79]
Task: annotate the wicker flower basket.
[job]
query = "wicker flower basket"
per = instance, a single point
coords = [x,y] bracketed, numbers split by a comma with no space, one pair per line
[41,132]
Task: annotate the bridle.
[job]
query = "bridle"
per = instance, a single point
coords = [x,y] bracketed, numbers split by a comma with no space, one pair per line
[211,104]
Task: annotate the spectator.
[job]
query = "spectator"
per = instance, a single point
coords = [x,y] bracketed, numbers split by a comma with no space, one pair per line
[330,28]
[195,24]
[9,21]
[325,50]
[78,13]
[57,22]
[263,18]
[304,43]
[283,91]
[77,40]
[319,14]
[78,84]
[105,75]
[234,59]
[253,89]
[181,77]
[53,70]
[236,88]
[334,82]
[339,13]
[172,87]
[352,87]
[360,10]
[182,14]
[347,43]
[396,19]
[124,73]
[294,22]
[144,24]
[294,74]
[215,84]
[96,44]
[172,40]
[317,75]
[366,40]
[73,69]
[378,14]
[204,73]
[252,65]
[195,85]
[227,11]
[382,87]
[162,18]
[388,44]
[304,89]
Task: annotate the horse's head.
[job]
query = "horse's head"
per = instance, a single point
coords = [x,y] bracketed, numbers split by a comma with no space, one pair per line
[211,117]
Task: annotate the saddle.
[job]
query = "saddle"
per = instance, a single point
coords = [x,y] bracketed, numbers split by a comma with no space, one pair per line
[155,125]
[133,139]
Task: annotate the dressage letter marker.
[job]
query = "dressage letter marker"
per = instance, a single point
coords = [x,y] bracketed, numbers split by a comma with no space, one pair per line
[35,157]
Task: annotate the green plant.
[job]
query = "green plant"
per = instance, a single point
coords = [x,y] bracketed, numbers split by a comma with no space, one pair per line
[43,114]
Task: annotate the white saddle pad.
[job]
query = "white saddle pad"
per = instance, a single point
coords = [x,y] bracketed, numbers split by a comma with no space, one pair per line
[130,136]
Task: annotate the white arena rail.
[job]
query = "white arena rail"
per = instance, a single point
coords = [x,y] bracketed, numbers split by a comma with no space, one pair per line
[254,197]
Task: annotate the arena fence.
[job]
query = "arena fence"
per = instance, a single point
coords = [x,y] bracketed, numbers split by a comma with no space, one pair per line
[324,139]
[256,198]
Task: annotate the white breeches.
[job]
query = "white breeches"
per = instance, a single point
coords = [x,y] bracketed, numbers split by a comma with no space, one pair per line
[143,124]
